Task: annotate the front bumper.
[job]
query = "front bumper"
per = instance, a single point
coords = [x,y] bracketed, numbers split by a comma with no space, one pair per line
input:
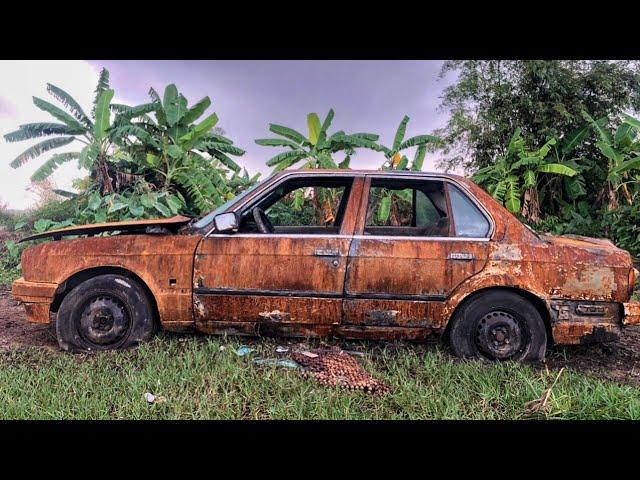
[36,297]
[631,313]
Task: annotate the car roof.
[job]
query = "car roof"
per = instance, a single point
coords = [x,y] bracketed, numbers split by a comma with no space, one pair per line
[359,172]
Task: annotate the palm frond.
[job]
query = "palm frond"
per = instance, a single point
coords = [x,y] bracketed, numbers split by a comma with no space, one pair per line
[402,128]
[223,147]
[292,155]
[102,86]
[65,193]
[196,111]
[277,142]
[69,102]
[367,136]
[227,161]
[39,149]
[418,140]
[125,113]
[289,133]
[418,160]
[51,165]
[42,129]
[57,113]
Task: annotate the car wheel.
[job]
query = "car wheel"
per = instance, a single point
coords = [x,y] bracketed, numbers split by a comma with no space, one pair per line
[106,312]
[498,325]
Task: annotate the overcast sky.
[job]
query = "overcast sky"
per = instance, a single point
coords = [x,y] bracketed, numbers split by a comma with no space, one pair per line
[367,96]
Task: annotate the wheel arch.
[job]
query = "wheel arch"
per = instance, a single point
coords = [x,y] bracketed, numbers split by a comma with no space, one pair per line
[83,275]
[534,299]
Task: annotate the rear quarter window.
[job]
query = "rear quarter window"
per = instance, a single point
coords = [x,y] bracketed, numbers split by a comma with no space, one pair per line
[469,220]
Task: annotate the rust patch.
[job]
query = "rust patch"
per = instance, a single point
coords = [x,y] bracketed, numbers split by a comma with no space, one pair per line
[37,312]
[275,316]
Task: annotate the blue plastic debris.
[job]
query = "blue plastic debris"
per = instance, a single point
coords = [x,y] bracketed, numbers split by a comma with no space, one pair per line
[243,350]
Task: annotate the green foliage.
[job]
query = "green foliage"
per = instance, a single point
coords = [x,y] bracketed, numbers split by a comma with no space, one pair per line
[546,98]
[392,201]
[513,180]
[395,160]
[10,253]
[318,147]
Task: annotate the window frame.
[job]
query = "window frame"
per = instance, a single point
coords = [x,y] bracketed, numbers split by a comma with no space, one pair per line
[361,224]
[347,201]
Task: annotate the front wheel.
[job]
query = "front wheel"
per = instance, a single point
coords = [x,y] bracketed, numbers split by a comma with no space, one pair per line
[106,312]
[498,325]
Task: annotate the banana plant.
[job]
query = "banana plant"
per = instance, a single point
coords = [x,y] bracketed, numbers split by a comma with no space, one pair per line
[72,126]
[622,151]
[183,156]
[396,160]
[316,149]
[392,201]
[513,180]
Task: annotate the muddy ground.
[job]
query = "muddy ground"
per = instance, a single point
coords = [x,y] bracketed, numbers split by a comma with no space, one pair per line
[620,362]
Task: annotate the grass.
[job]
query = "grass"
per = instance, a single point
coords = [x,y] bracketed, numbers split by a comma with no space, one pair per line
[7,276]
[195,379]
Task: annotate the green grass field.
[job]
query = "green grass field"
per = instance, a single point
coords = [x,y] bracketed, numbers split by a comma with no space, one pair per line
[194,379]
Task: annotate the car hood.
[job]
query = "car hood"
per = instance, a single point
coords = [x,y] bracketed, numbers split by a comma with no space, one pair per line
[171,224]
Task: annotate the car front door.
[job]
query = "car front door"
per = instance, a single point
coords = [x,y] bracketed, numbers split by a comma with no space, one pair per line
[287,281]
[417,239]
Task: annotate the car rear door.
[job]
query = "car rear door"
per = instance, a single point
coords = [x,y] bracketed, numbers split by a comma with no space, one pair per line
[399,276]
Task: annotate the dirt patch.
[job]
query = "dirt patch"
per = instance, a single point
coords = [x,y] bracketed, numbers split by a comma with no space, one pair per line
[16,332]
[619,362]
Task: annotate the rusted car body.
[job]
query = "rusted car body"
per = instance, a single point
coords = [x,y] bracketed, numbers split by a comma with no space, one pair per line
[351,280]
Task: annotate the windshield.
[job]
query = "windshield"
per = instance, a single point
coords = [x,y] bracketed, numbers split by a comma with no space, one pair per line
[208,218]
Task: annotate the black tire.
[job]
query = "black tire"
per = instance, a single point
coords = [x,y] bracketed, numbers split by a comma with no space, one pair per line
[498,325]
[106,312]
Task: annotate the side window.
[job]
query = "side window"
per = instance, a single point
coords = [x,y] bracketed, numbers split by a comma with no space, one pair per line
[398,207]
[307,206]
[301,205]
[426,212]
[468,220]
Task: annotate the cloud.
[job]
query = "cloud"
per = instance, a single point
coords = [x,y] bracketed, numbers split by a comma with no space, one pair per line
[6,108]
[19,82]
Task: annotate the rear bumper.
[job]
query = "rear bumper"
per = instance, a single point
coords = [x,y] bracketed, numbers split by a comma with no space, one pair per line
[631,313]
[36,297]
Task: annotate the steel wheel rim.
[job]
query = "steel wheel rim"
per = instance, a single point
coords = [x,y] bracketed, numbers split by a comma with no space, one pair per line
[501,335]
[105,320]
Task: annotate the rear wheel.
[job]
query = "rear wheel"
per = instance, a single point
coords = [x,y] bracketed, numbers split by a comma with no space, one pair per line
[498,325]
[106,312]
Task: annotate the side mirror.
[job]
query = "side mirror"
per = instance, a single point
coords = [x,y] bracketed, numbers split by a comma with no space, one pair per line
[226,222]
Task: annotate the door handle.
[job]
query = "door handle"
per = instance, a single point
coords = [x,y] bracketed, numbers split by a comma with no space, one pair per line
[326,252]
[461,256]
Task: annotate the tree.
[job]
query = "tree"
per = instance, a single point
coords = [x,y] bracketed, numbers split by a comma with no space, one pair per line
[490,99]
[317,148]
[73,125]
[545,99]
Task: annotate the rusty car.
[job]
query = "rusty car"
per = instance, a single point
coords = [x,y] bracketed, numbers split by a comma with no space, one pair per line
[452,262]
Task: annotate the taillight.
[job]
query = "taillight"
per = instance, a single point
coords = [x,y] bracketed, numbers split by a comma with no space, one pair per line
[633,276]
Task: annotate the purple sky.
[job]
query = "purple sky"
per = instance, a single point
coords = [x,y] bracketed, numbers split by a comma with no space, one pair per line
[367,96]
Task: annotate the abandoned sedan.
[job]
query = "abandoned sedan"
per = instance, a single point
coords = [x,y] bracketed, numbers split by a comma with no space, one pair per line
[342,253]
